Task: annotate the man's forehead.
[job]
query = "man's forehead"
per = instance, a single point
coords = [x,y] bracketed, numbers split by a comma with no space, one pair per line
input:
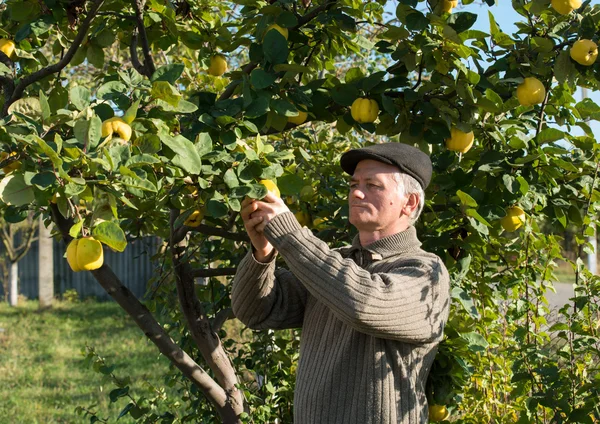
[372,168]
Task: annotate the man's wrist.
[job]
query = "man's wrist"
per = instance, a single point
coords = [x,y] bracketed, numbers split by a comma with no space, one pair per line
[264,255]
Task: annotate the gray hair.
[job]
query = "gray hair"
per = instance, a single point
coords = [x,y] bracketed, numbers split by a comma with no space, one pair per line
[408,185]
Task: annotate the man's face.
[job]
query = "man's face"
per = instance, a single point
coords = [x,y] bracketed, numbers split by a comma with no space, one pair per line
[375,202]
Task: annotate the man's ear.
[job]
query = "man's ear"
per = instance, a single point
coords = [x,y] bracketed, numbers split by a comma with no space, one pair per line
[412,203]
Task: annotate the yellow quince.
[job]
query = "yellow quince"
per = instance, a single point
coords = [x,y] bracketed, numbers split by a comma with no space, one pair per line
[116,125]
[515,217]
[460,141]
[564,7]
[281,30]
[218,65]
[271,186]
[364,110]
[85,254]
[531,92]
[584,52]
[7,47]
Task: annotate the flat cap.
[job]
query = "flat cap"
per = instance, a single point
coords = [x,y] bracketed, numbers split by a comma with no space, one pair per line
[408,159]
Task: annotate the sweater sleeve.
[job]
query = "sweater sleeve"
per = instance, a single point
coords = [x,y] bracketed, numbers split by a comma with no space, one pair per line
[262,297]
[409,303]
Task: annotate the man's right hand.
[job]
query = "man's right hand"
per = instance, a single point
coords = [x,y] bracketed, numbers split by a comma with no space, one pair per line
[263,249]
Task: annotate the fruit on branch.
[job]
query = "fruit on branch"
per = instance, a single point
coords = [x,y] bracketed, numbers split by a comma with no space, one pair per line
[303,218]
[448,5]
[564,7]
[116,125]
[300,118]
[515,217]
[218,65]
[460,141]
[584,52]
[531,92]
[271,186]
[281,30]
[364,110]
[7,47]
[85,254]
[438,413]
[12,165]
[195,218]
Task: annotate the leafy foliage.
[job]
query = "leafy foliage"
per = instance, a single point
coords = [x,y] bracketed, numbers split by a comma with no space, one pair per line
[204,142]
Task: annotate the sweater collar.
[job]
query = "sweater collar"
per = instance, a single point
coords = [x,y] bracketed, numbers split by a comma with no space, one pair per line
[388,246]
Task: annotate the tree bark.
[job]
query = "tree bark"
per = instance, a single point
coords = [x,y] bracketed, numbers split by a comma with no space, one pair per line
[45,266]
[14,285]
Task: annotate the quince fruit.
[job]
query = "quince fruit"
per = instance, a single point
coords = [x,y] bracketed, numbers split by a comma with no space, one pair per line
[531,92]
[448,5]
[7,47]
[85,254]
[218,65]
[515,217]
[271,186]
[300,118]
[116,125]
[281,30]
[564,7]
[364,110]
[303,218]
[584,52]
[438,413]
[12,165]
[195,218]
[306,193]
[460,141]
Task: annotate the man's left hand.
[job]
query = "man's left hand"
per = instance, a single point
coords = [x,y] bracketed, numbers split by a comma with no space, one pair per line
[268,208]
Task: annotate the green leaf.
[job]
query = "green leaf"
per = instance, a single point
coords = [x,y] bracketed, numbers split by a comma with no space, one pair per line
[476,342]
[131,112]
[231,179]
[169,73]
[216,208]
[165,91]
[564,69]
[126,410]
[118,393]
[15,191]
[290,184]
[287,19]
[275,47]
[75,229]
[80,97]
[466,199]
[111,90]
[28,106]
[462,21]
[465,300]
[354,74]
[187,156]
[548,135]
[111,234]
[44,106]
[95,55]
[262,79]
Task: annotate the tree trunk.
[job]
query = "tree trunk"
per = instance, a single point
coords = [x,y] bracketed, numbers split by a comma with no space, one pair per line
[13,276]
[45,266]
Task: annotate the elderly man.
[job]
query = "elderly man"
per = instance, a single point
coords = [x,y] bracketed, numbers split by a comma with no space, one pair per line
[372,314]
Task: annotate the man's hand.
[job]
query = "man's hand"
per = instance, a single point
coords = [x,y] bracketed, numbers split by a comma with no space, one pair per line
[256,214]
[268,208]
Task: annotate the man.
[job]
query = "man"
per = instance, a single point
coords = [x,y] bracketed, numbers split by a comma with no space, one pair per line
[372,314]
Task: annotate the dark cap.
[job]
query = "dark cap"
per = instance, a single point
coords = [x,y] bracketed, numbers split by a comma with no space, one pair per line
[408,159]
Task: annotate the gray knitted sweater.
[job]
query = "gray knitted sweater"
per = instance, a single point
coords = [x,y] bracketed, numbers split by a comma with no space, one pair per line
[371,320]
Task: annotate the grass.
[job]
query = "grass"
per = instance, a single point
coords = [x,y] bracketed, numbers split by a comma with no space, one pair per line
[43,377]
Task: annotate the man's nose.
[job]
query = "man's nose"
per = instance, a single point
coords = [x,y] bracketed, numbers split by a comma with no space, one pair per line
[358,193]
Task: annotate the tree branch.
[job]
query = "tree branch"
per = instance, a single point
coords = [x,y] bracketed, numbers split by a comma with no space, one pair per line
[138,6]
[220,318]
[57,67]
[207,341]
[152,329]
[135,61]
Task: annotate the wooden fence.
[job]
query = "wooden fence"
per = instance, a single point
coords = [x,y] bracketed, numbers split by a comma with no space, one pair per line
[133,266]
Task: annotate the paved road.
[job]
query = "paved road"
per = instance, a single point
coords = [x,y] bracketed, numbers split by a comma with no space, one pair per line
[564,291]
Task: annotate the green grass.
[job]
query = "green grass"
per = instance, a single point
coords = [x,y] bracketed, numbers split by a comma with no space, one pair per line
[43,377]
